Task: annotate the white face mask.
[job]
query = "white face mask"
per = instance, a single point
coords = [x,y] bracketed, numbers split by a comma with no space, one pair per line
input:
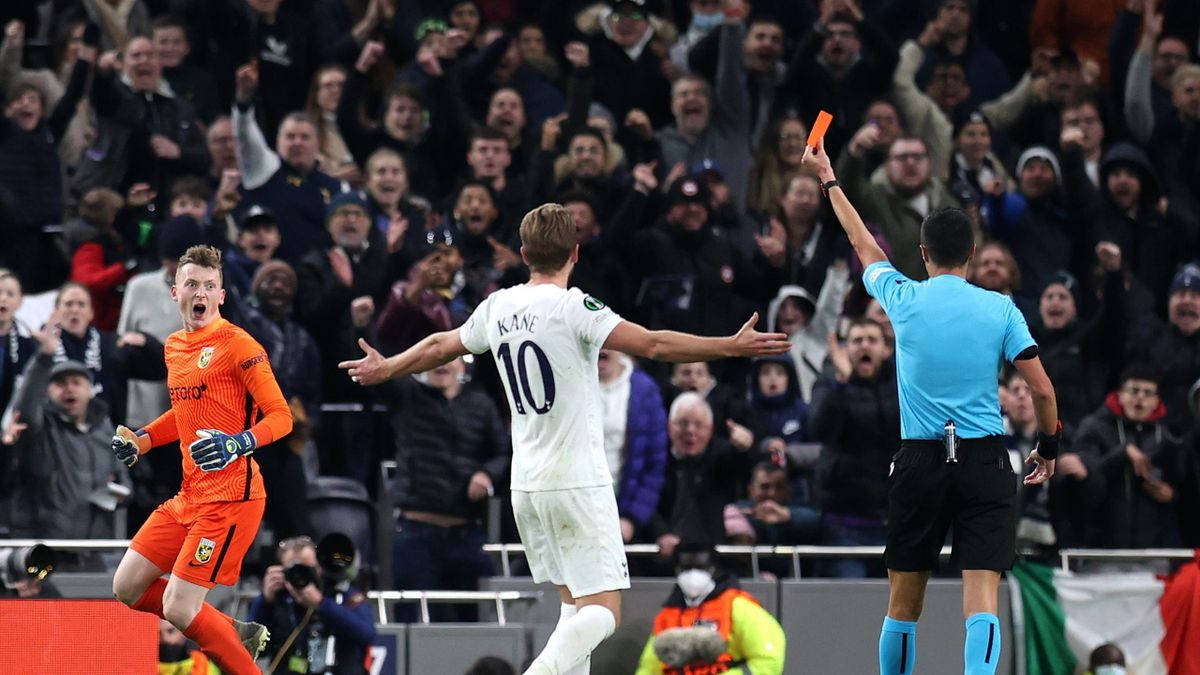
[695,583]
[1110,669]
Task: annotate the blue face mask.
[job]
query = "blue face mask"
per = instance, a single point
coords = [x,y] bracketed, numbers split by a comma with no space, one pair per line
[707,21]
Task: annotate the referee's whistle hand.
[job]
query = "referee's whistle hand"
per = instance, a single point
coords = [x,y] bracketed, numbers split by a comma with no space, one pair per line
[1043,470]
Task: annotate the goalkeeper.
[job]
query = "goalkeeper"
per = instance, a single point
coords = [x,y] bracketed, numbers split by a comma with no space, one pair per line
[708,625]
[225,402]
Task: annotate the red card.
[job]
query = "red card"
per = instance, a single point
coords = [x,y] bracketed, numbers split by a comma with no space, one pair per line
[819,128]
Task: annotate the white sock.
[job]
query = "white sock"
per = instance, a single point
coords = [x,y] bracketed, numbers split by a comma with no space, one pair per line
[573,640]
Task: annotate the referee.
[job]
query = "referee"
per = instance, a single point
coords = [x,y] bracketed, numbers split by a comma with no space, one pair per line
[952,471]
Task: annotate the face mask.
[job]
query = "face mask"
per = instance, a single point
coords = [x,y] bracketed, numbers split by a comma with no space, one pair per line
[1110,669]
[695,583]
[707,22]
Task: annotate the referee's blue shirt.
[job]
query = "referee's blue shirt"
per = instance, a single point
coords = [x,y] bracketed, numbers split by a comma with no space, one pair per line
[950,338]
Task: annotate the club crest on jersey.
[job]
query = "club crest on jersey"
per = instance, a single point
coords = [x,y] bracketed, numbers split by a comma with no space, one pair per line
[204,550]
[592,303]
[205,356]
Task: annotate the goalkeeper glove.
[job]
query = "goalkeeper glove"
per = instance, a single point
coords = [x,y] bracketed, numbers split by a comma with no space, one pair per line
[128,446]
[214,450]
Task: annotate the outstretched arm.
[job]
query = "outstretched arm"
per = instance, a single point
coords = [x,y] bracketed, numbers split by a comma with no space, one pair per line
[667,345]
[429,353]
[817,162]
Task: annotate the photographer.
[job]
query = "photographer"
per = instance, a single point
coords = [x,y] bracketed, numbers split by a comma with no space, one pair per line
[312,611]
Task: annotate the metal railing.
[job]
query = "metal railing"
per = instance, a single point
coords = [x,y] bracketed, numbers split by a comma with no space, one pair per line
[796,553]
[423,598]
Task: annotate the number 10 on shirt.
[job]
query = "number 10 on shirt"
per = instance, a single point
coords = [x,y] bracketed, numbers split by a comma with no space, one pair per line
[520,375]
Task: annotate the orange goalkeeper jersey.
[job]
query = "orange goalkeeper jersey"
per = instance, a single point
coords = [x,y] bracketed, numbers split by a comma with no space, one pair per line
[219,378]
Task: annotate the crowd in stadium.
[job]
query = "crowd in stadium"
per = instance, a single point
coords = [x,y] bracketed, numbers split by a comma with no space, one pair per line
[364,165]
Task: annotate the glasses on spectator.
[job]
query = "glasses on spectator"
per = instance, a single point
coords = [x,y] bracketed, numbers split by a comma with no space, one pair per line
[632,15]
[909,156]
[1147,392]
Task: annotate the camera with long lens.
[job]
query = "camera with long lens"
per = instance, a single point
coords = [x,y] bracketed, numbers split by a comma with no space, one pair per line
[338,557]
[19,564]
[300,575]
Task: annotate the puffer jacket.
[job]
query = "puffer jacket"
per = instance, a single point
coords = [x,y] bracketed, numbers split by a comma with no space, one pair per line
[55,465]
[645,463]
[441,443]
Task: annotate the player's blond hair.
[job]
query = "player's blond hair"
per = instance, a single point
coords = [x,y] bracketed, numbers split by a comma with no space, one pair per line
[548,237]
[203,255]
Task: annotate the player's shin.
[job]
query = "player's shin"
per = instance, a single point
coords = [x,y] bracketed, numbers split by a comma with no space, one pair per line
[981,652]
[897,647]
[215,634]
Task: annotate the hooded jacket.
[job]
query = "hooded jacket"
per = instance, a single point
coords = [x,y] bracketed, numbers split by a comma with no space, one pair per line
[784,415]
[1128,517]
[56,465]
[811,343]
[1153,244]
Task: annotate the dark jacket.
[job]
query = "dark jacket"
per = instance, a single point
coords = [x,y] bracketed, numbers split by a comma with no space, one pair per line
[1153,244]
[113,366]
[30,180]
[1174,355]
[55,465]
[1081,357]
[441,443]
[623,84]
[346,616]
[689,281]
[814,88]
[323,308]
[1043,235]
[786,415]
[292,352]
[1128,517]
[858,425]
[645,450]
[121,154]
[696,490]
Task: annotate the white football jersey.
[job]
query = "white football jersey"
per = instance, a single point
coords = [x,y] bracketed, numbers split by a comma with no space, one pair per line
[546,341]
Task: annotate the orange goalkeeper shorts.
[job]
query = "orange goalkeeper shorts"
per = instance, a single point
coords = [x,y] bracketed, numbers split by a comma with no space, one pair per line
[201,543]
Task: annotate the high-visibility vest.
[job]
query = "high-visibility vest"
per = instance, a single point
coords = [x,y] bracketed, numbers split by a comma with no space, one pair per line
[715,612]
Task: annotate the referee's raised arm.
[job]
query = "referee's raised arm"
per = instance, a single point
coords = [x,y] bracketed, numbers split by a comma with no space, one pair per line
[816,162]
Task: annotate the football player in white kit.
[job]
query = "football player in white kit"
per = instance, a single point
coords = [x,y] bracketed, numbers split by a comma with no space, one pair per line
[546,339]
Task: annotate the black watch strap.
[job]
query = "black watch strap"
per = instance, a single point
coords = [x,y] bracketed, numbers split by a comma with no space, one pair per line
[829,185]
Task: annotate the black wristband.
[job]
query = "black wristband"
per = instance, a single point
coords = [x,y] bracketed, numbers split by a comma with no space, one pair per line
[1047,444]
[829,185]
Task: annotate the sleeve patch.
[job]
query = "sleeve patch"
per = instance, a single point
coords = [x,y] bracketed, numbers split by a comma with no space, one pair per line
[592,304]
[252,361]
[874,276]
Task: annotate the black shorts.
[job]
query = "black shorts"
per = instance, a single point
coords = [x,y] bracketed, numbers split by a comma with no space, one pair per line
[974,499]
